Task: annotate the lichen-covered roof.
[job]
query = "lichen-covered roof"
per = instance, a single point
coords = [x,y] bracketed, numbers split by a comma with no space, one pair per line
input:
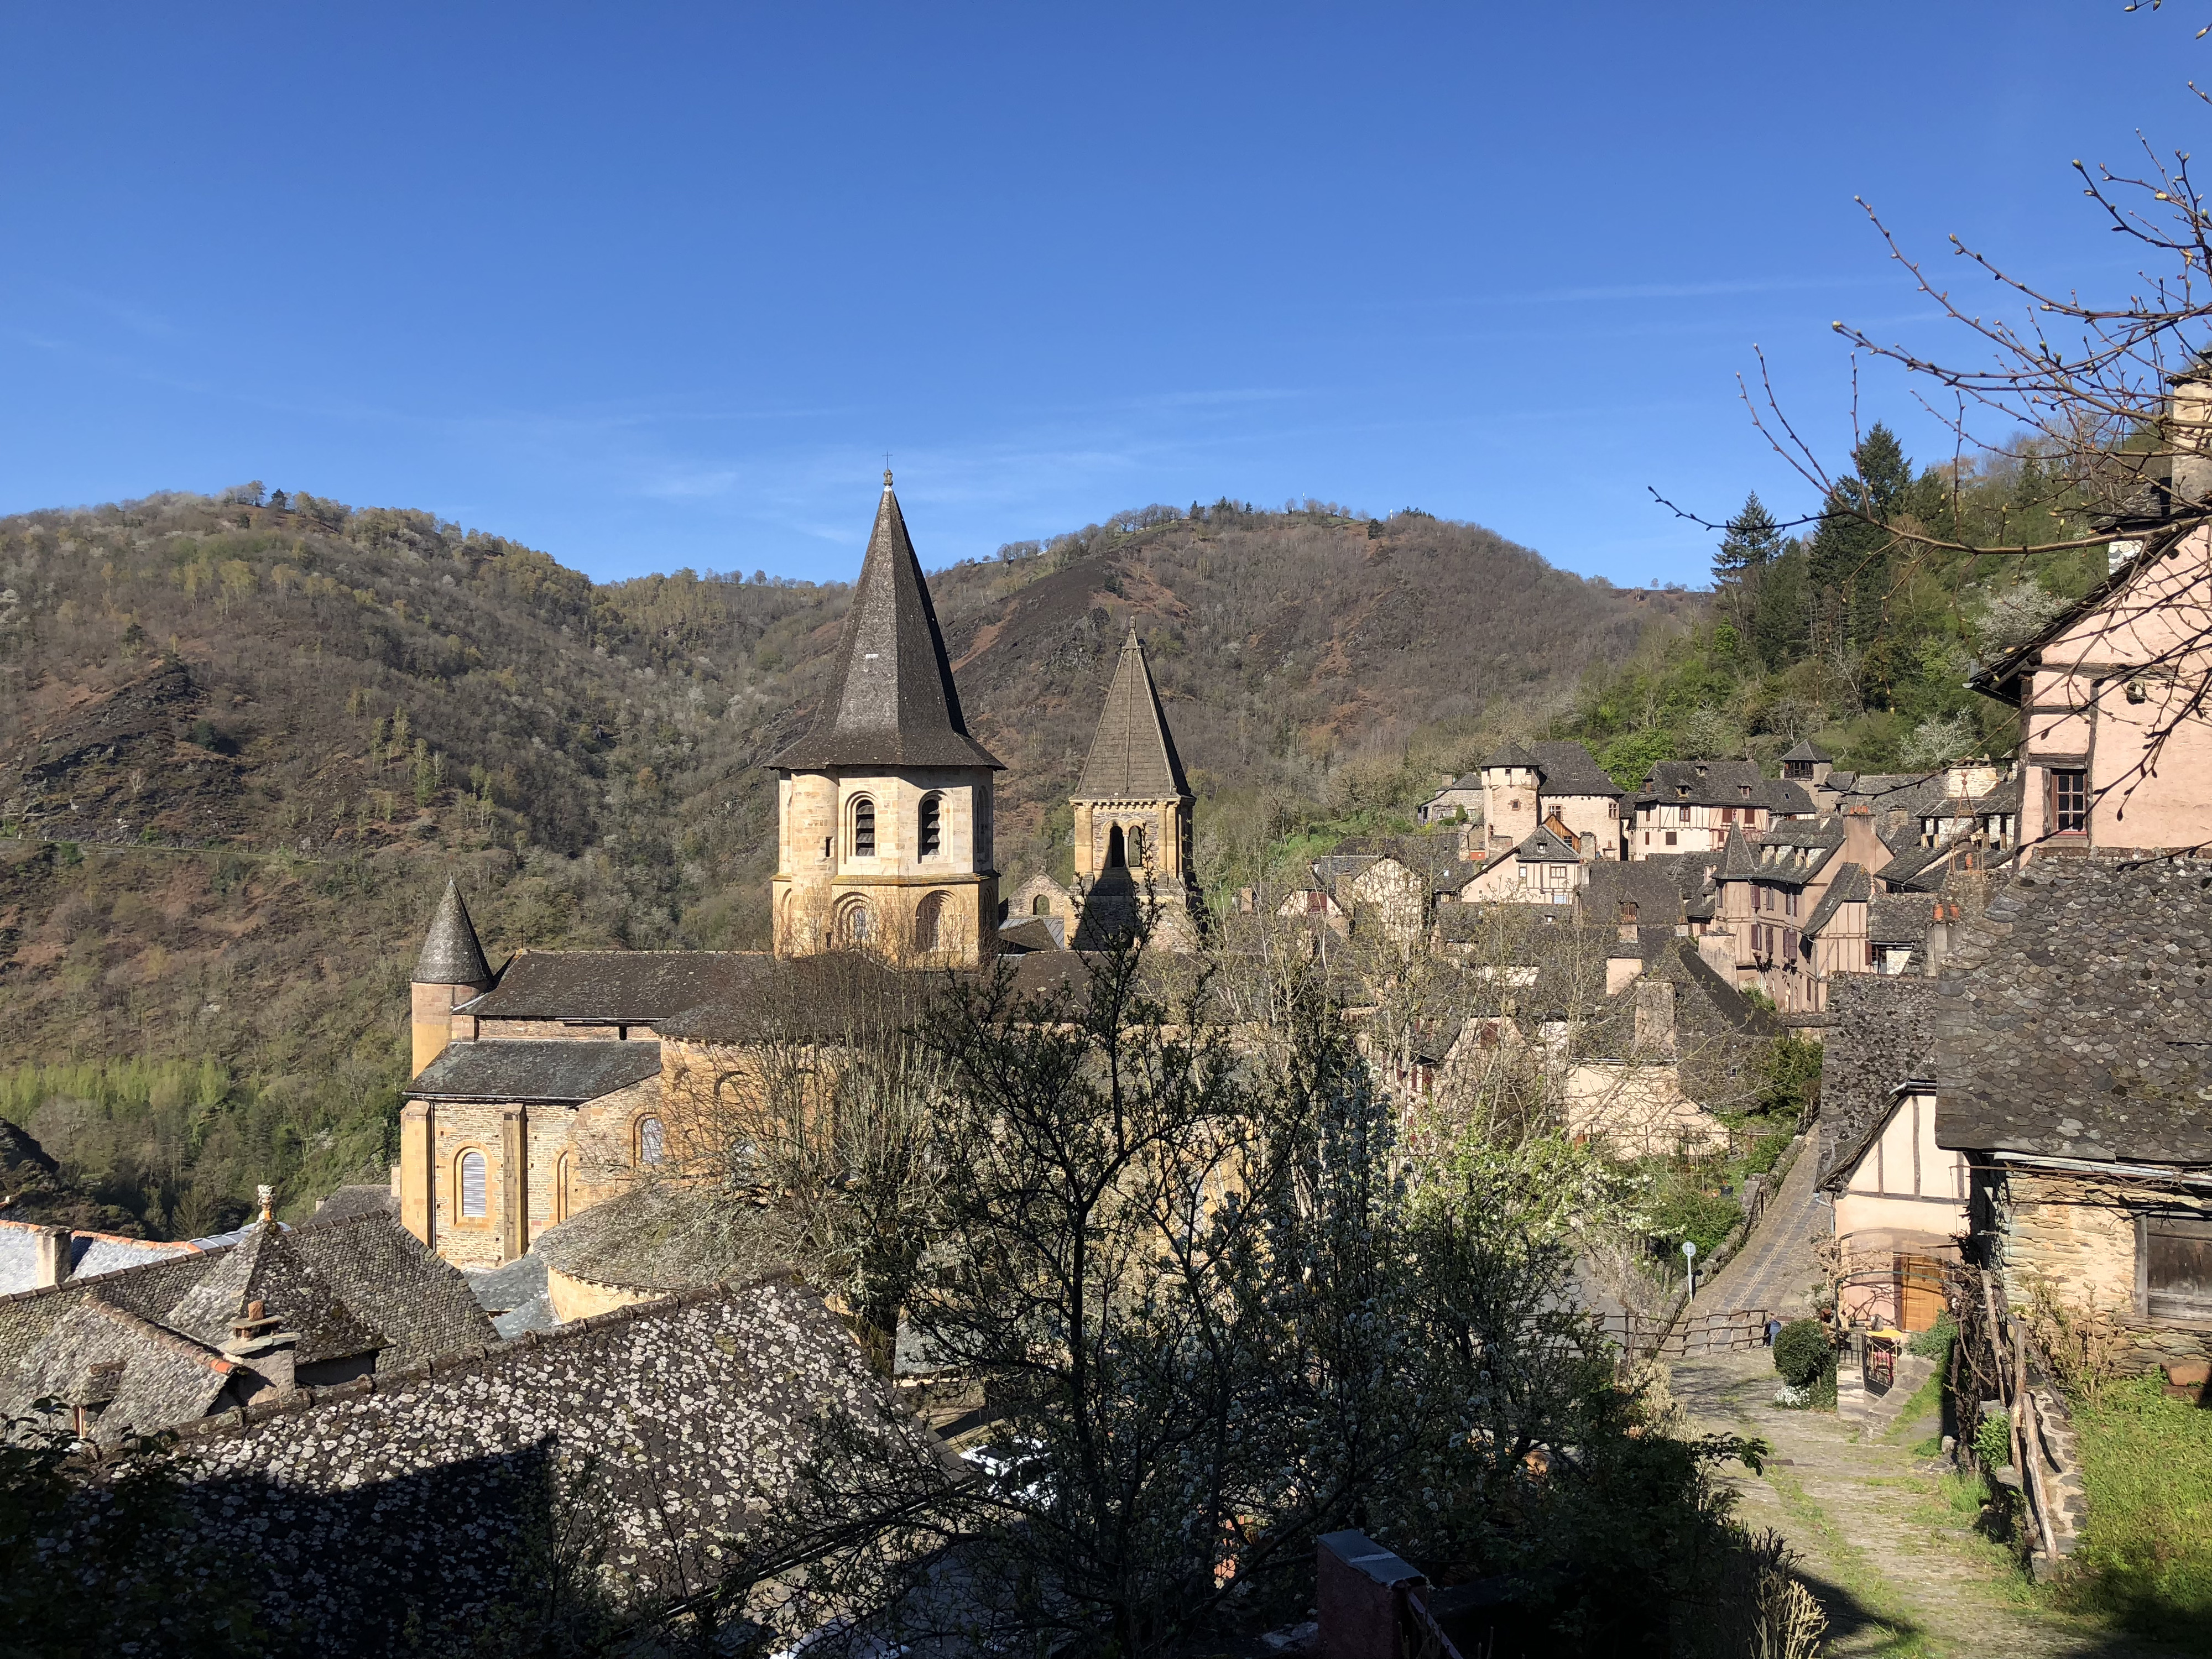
[890,701]
[1544,847]
[1655,886]
[380,1273]
[555,1071]
[1807,750]
[1880,1034]
[1901,918]
[1708,783]
[2076,1015]
[1921,869]
[383,1514]
[451,955]
[269,1269]
[658,1235]
[1511,754]
[1133,755]
[614,987]
[143,1378]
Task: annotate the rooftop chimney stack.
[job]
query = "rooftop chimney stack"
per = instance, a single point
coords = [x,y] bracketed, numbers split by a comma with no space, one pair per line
[2191,433]
[54,1260]
[1654,1018]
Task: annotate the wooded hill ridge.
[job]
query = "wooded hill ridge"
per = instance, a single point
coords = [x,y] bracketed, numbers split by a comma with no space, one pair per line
[244,740]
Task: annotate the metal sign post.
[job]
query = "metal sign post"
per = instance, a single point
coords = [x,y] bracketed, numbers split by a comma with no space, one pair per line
[1690,1265]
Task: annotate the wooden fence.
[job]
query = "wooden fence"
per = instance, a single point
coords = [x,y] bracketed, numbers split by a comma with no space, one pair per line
[1687,1337]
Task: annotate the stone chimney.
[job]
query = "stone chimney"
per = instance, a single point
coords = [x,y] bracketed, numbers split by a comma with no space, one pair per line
[2191,429]
[54,1260]
[1938,944]
[1627,931]
[1654,1018]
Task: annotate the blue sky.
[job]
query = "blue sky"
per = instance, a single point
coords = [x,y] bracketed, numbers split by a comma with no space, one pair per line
[652,286]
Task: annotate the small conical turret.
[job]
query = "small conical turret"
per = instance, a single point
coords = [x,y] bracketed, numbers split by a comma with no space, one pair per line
[451,955]
[451,970]
[1132,757]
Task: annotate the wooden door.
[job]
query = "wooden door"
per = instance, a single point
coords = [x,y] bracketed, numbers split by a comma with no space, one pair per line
[1919,1291]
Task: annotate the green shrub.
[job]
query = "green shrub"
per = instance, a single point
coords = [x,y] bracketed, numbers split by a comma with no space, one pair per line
[1993,1440]
[1802,1351]
[1935,1342]
[1703,1218]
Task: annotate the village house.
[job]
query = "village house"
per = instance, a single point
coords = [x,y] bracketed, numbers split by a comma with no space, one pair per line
[1692,807]
[1547,867]
[1523,788]
[2073,1071]
[1898,1200]
[1792,910]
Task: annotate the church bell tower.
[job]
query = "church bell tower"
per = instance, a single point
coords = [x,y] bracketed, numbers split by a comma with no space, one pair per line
[884,809]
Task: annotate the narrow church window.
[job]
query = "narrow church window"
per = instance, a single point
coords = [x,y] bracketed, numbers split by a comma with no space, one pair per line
[564,1173]
[1115,856]
[472,1185]
[1136,847]
[860,924]
[648,1140]
[1040,906]
[932,825]
[863,828]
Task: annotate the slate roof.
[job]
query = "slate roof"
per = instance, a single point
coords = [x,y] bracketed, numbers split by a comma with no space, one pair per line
[147,1378]
[1566,769]
[1880,1034]
[90,1253]
[555,1071]
[1032,933]
[516,1295]
[1790,854]
[1511,755]
[1706,1007]
[1739,856]
[1545,848]
[1807,750]
[2075,1018]
[1709,783]
[268,1269]
[658,1237]
[1133,755]
[381,1275]
[451,955]
[1852,885]
[384,1513]
[612,988]
[1435,859]
[890,701]
[1922,869]
[1901,918]
[1654,886]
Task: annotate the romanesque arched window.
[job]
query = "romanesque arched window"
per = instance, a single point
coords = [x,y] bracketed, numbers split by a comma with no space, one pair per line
[1115,856]
[472,1186]
[1041,905]
[856,923]
[929,923]
[932,839]
[564,1194]
[649,1147]
[863,828]
[1136,847]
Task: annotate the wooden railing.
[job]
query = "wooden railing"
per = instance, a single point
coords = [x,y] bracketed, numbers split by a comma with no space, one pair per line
[1690,1335]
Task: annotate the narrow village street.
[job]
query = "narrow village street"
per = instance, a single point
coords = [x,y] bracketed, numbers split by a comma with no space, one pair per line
[1887,1538]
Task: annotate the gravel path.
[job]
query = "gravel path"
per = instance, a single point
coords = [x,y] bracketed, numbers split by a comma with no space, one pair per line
[1899,1569]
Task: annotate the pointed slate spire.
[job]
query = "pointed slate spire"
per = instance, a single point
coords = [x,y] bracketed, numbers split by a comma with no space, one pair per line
[892,701]
[1133,758]
[451,955]
[1739,858]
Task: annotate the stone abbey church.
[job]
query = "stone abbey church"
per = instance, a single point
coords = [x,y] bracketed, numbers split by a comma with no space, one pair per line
[545,1088]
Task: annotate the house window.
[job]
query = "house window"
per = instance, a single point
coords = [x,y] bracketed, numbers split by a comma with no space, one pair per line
[649,1148]
[1871,953]
[1789,902]
[1727,815]
[2069,803]
[1744,789]
[472,1186]
[2175,1258]
[1789,942]
[863,828]
[932,825]
[1670,838]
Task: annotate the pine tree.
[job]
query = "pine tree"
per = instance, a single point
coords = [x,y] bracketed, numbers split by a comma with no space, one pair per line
[1751,543]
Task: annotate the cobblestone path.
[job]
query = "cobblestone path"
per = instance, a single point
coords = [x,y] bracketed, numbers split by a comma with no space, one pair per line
[1900,1569]
[1775,1272]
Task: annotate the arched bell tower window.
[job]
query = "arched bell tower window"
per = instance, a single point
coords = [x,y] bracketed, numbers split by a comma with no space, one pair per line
[1115,858]
[863,828]
[1136,847]
[931,839]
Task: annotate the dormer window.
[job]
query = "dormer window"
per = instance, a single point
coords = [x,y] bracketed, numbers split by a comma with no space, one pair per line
[1745,789]
[1683,790]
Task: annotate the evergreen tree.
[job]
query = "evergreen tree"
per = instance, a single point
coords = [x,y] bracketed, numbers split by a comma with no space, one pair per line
[1751,541]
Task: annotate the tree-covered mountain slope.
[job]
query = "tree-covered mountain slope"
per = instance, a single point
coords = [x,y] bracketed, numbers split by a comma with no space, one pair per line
[243,742]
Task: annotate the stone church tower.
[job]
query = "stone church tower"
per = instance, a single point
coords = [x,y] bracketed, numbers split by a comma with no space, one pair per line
[1133,812]
[884,809]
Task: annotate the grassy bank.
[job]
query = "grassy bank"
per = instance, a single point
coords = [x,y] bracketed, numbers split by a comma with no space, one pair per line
[2146,1560]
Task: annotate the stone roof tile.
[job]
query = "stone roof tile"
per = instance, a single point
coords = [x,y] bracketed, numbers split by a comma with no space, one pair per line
[555,1071]
[1132,754]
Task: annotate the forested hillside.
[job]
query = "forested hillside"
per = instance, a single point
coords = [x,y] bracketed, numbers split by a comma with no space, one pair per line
[1852,634]
[243,741]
